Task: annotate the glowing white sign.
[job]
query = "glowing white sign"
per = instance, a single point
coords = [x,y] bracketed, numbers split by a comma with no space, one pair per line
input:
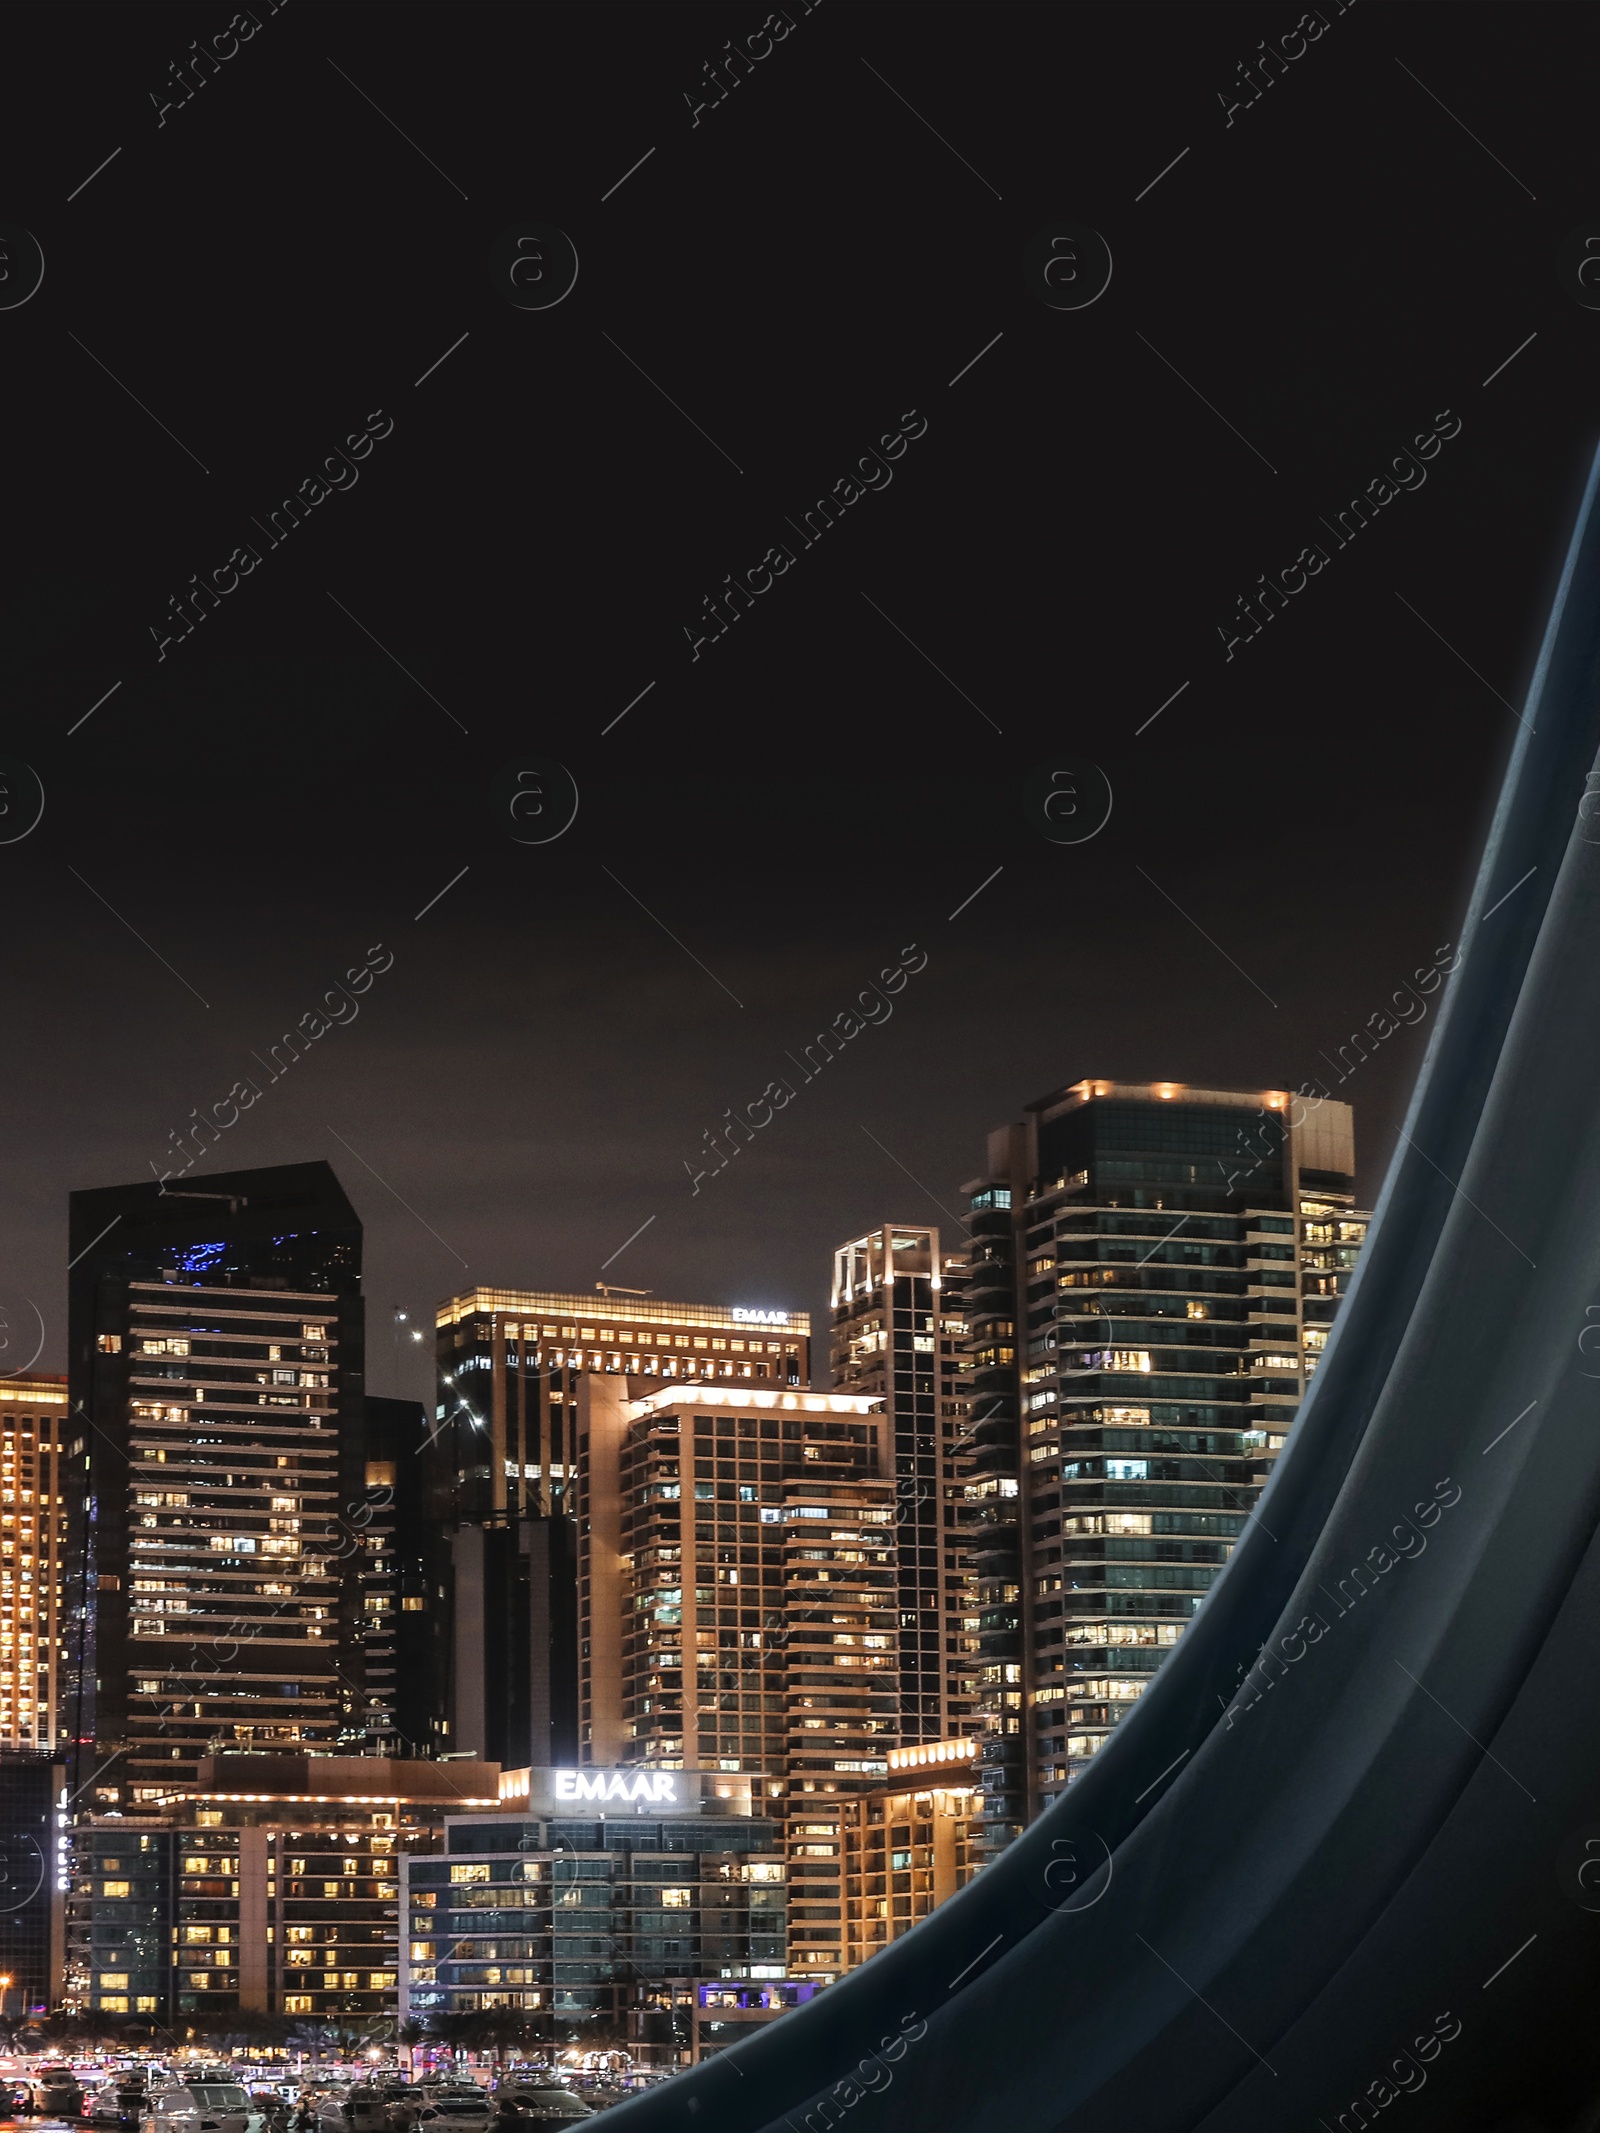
[760,1318]
[654,1785]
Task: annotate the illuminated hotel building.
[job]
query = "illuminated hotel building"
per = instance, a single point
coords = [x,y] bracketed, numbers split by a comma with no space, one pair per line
[512,1364]
[898,1339]
[34,1486]
[1154,1269]
[908,1844]
[707,1539]
[216,1349]
[738,1606]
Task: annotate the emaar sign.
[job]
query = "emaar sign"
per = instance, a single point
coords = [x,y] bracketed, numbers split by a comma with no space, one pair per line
[759,1318]
[659,1787]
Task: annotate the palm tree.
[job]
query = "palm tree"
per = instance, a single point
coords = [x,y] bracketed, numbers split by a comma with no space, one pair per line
[456,2032]
[61,2028]
[315,2038]
[242,2027]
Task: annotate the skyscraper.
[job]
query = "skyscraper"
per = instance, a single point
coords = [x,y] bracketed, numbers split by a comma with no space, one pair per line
[1154,1269]
[898,1337]
[34,1562]
[502,1461]
[403,1571]
[738,1606]
[216,1343]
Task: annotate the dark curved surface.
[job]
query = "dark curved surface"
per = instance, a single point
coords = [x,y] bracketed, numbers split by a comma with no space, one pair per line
[1278,1873]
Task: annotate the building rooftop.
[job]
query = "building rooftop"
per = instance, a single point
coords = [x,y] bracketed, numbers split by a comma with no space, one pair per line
[811,1403]
[594,1311]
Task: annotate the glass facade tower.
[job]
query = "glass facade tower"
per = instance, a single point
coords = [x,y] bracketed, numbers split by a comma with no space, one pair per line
[1154,1271]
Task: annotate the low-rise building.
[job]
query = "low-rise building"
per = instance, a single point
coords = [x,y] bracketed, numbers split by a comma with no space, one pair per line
[597,1895]
[269,1885]
[724,2013]
[909,1844]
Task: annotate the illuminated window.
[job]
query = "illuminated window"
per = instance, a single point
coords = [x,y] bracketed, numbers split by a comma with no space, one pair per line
[677,1899]
[115,1888]
[297,2003]
[470,1872]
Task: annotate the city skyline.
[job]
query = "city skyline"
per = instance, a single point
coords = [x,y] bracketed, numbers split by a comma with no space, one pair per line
[635,1534]
[796,880]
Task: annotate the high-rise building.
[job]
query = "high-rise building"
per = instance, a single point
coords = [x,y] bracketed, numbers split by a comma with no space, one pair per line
[34,1559]
[706,1539]
[738,1606]
[403,1573]
[583,1908]
[502,1461]
[898,1339]
[216,1360]
[1154,1269]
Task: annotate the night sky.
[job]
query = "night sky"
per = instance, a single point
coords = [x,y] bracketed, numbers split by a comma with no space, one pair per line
[833,255]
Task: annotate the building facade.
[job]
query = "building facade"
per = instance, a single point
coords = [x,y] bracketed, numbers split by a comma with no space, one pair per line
[268,1884]
[216,1350]
[32,1946]
[908,1844]
[504,1459]
[898,1339]
[725,2013]
[708,1572]
[738,1606]
[403,1579]
[1154,1270]
[37,1475]
[608,1896]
